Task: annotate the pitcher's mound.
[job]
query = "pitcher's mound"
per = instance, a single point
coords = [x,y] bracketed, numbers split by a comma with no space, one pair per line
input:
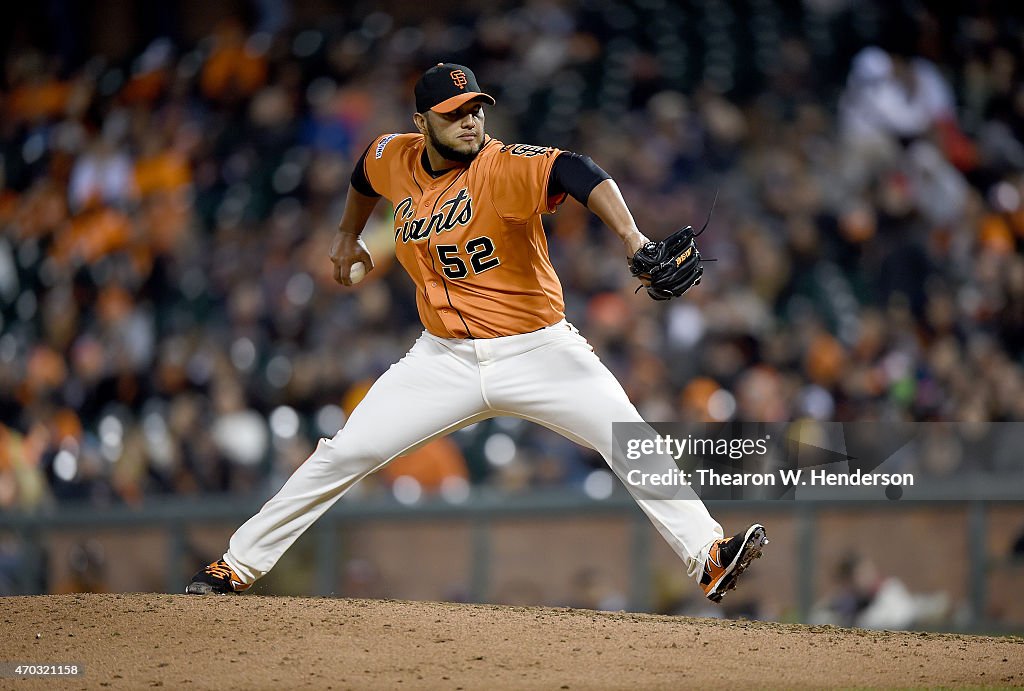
[252,642]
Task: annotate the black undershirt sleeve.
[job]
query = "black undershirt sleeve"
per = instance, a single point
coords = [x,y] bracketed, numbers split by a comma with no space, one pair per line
[359,181]
[576,175]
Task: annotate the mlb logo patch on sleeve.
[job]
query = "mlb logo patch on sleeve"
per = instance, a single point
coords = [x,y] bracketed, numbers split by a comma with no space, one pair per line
[383,142]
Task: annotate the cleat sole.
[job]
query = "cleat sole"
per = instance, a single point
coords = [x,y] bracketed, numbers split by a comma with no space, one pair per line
[752,550]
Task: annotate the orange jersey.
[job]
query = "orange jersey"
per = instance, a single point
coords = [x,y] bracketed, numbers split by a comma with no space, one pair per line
[472,238]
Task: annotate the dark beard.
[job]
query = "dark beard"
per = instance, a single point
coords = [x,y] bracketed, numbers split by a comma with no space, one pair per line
[447,152]
[451,154]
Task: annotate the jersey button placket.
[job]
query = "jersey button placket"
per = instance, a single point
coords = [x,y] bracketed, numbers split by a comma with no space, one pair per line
[434,290]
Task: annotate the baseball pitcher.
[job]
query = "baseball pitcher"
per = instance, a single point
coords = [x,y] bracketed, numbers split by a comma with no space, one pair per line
[467,228]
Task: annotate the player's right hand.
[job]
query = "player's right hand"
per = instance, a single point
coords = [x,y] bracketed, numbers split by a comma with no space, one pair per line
[346,250]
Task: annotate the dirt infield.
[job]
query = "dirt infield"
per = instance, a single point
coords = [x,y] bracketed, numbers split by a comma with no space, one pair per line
[231,642]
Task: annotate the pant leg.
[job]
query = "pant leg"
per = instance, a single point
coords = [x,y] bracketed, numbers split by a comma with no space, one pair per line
[564,386]
[433,390]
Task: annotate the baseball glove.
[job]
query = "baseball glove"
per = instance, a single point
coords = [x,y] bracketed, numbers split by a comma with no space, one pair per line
[670,267]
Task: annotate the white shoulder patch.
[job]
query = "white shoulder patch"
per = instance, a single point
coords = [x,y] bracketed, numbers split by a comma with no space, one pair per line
[382,143]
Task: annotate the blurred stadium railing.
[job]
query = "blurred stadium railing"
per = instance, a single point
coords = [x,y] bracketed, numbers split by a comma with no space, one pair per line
[548,547]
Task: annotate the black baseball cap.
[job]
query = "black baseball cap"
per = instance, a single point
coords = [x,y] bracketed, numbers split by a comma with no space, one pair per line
[445,87]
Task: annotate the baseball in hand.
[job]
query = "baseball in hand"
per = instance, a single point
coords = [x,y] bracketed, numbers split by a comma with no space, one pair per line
[357,272]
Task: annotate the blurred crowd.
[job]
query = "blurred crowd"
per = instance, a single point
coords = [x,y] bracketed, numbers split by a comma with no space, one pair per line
[169,320]
[863,596]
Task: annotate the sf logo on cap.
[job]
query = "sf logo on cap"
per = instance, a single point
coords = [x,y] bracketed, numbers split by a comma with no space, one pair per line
[459,77]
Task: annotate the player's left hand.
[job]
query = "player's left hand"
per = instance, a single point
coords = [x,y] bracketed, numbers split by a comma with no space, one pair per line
[670,267]
[634,241]
[346,250]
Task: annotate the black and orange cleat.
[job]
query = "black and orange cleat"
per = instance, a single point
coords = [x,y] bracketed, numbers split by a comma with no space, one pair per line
[218,579]
[728,558]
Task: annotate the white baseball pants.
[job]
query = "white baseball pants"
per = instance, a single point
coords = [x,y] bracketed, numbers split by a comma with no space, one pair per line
[551,377]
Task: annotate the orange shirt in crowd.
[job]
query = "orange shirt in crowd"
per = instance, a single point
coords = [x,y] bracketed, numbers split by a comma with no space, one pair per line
[163,172]
[34,101]
[231,67]
[430,465]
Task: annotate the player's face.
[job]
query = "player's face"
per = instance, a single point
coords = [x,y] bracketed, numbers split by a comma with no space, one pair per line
[458,135]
